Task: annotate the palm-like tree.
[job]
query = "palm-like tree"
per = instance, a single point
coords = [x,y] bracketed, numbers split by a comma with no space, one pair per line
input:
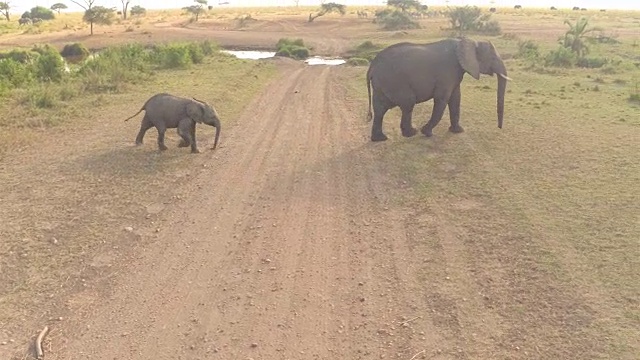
[575,38]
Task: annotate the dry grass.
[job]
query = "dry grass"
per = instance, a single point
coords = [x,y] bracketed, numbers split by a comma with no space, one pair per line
[550,197]
[64,212]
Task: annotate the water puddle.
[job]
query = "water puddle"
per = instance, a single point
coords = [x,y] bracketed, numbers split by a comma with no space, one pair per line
[250,54]
[317,60]
[256,55]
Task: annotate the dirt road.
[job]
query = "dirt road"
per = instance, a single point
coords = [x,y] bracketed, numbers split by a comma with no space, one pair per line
[297,251]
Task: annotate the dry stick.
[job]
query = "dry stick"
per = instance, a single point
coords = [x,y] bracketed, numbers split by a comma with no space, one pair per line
[39,352]
[414,356]
[410,320]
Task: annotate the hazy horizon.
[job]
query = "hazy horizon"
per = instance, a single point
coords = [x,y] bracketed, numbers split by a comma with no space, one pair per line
[174,4]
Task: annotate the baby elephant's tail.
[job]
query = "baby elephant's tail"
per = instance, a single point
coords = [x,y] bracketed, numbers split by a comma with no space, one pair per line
[134,115]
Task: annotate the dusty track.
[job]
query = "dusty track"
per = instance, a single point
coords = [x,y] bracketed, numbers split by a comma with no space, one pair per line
[293,253]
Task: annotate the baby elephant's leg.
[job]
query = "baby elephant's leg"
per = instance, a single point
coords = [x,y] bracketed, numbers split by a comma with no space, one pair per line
[186,130]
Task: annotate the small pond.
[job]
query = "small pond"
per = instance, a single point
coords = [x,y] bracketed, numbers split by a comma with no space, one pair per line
[255,55]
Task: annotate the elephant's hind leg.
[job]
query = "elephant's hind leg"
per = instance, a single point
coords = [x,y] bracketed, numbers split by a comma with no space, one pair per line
[162,128]
[144,126]
[380,107]
[454,111]
[405,123]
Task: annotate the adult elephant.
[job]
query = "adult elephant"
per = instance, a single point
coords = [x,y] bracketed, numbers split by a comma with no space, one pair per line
[406,74]
[165,111]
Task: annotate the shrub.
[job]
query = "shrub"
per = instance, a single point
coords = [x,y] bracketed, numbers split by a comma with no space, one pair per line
[42,13]
[21,56]
[49,66]
[14,73]
[42,96]
[395,20]
[208,48]
[366,50]
[354,61]
[172,56]
[528,49]
[591,62]
[138,10]
[292,48]
[196,53]
[561,57]
[114,67]
[75,52]
[470,18]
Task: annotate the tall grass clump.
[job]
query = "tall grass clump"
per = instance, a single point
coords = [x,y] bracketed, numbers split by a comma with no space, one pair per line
[292,48]
[42,79]
[114,67]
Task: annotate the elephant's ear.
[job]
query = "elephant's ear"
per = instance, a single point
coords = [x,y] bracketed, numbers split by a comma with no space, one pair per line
[466,53]
[195,111]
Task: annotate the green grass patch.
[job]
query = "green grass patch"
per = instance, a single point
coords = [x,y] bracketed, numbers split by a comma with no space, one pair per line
[293,48]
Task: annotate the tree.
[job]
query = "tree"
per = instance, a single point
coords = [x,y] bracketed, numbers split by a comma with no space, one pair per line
[405,5]
[58,6]
[326,8]
[4,10]
[98,15]
[574,38]
[138,10]
[43,13]
[196,10]
[125,6]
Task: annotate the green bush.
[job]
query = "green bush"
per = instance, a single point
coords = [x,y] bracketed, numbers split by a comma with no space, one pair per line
[395,20]
[354,61]
[196,53]
[14,73]
[42,13]
[292,48]
[561,57]
[49,66]
[172,56]
[528,49]
[42,96]
[75,52]
[114,67]
[21,56]
[208,48]
[470,18]
[366,50]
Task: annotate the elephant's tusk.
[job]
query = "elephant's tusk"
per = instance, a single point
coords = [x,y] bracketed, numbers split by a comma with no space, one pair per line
[505,77]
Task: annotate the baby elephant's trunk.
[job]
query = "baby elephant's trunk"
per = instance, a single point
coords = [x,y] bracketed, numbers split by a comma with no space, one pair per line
[217,125]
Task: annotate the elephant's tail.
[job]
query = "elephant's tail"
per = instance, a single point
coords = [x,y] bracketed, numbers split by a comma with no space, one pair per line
[134,115]
[369,114]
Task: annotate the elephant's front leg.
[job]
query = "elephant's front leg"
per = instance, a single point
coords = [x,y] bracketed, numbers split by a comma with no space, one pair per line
[405,122]
[454,111]
[187,130]
[436,114]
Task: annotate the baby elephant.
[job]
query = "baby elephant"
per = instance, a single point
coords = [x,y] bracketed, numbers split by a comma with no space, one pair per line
[166,111]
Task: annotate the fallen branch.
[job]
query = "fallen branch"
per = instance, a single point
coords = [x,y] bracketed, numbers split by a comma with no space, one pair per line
[410,320]
[416,355]
[39,352]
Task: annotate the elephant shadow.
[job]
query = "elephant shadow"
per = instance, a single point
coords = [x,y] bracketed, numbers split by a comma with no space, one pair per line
[129,161]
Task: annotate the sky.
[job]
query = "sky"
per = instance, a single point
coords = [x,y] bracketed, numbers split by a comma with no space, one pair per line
[19,6]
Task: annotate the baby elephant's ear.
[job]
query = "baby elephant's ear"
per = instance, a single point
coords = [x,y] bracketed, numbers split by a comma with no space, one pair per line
[195,111]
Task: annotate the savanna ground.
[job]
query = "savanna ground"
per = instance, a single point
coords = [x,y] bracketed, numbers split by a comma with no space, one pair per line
[299,238]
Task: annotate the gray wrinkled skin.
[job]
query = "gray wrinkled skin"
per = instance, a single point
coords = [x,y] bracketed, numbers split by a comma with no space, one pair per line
[165,111]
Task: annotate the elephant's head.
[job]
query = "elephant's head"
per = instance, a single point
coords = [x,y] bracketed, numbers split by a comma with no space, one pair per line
[481,57]
[201,112]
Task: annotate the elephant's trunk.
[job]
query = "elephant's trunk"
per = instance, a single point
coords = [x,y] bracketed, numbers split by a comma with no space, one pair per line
[217,125]
[501,71]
